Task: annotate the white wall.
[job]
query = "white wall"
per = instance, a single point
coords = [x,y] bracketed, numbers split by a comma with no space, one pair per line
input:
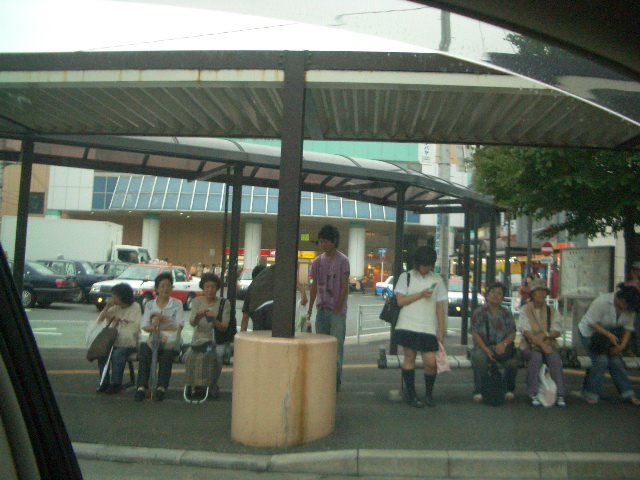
[70,189]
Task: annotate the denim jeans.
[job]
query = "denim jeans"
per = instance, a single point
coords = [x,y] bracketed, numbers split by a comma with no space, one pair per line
[534,360]
[480,364]
[118,362]
[329,323]
[165,364]
[595,376]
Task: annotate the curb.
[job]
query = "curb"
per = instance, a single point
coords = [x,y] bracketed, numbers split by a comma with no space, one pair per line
[409,463]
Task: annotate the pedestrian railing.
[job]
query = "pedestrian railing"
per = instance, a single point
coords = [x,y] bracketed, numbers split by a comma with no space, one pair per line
[369,321]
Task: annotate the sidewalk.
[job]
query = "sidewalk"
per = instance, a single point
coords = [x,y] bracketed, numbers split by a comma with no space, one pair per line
[374,436]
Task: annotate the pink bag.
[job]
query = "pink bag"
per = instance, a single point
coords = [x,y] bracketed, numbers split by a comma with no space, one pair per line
[442,362]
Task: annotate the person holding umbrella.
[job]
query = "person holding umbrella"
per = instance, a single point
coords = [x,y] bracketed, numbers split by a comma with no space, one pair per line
[124,314]
[162,319]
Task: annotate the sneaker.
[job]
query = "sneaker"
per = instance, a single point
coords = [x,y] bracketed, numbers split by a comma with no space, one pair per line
[561,402]
[159,396]
[140,394]
[477,397]
[632,400]
[509,396]
[535,402]
[589,399]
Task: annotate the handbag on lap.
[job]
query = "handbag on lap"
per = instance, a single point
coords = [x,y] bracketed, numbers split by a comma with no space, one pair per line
[102,343]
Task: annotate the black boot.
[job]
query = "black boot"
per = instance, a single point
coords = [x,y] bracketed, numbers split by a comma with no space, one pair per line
[410,396]
[429,380]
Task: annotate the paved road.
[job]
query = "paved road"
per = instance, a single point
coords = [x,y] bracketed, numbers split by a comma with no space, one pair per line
[63,325]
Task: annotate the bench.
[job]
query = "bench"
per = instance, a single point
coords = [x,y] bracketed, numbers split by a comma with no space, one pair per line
[462,361]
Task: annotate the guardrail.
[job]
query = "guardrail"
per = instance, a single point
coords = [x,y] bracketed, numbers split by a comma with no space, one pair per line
[369,321]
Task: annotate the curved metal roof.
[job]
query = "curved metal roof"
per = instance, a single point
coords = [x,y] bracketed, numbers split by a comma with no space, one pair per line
[400,97]
[372,181]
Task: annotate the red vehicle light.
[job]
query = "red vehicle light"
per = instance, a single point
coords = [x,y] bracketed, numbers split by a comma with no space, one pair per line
[62,283]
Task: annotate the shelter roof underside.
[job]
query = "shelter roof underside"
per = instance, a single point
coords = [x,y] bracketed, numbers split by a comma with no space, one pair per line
[366,180]
[395,97]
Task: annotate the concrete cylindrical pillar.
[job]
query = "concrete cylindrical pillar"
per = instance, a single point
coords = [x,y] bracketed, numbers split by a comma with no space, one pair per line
[252,241]
[284,389]
[356,254]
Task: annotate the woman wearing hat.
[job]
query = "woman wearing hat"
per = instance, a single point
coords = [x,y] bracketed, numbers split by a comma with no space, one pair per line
[540,326]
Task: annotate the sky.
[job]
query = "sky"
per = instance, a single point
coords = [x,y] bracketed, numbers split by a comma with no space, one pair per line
[107,25]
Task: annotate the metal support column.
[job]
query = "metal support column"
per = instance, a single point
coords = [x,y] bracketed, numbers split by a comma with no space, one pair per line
[466,257]
[225,235]
[477,261]
[399,253]
[26,163]
[284,299]
[507,256]
[236,203]
[491,260]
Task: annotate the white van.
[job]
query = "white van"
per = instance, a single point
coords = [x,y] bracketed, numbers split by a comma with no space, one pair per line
[130,254]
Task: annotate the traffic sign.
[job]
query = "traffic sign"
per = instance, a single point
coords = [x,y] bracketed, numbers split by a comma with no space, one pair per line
[547,249]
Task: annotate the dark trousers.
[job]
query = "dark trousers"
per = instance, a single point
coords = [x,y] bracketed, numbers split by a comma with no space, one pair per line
[480,364]
[165,363]
[118,362]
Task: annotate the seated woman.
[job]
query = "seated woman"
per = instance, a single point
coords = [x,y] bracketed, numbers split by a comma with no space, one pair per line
[493,330]
[540,326]
[609,312]
[124,314]
[162,319]
[202,365]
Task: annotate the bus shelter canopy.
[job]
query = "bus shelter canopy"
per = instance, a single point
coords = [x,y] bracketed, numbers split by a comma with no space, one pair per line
[369,96]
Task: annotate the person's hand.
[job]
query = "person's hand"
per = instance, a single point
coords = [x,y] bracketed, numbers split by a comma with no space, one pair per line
[547,349]
[307,322]
[155,319]
[427,293]
[304,301]
[613,339]
[501,348]
[490,355]
[615,351]
[201,313]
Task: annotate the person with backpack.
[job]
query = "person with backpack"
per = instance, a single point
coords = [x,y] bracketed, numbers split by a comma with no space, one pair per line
[540,326]
[422,296]
[494,331]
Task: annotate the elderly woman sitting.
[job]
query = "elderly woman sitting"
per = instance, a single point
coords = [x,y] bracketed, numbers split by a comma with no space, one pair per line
[540,326]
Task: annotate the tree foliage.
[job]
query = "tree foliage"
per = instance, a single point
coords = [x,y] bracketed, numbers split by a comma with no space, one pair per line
[598,190]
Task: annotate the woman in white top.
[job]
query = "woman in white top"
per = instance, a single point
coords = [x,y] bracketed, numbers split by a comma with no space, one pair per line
[124,314]
[162,316]
[423,298]
[540,326]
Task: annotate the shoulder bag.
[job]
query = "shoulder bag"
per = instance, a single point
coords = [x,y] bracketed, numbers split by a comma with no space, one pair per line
[224,337]
[492,386]
[102,344]
[391,310]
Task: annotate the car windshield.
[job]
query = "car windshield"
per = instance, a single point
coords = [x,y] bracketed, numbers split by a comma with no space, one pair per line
[88,268]
[41,269]
[139,272]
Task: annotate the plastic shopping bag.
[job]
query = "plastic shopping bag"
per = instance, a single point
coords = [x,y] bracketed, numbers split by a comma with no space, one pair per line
[442,362]
[547,389]
[93,329]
